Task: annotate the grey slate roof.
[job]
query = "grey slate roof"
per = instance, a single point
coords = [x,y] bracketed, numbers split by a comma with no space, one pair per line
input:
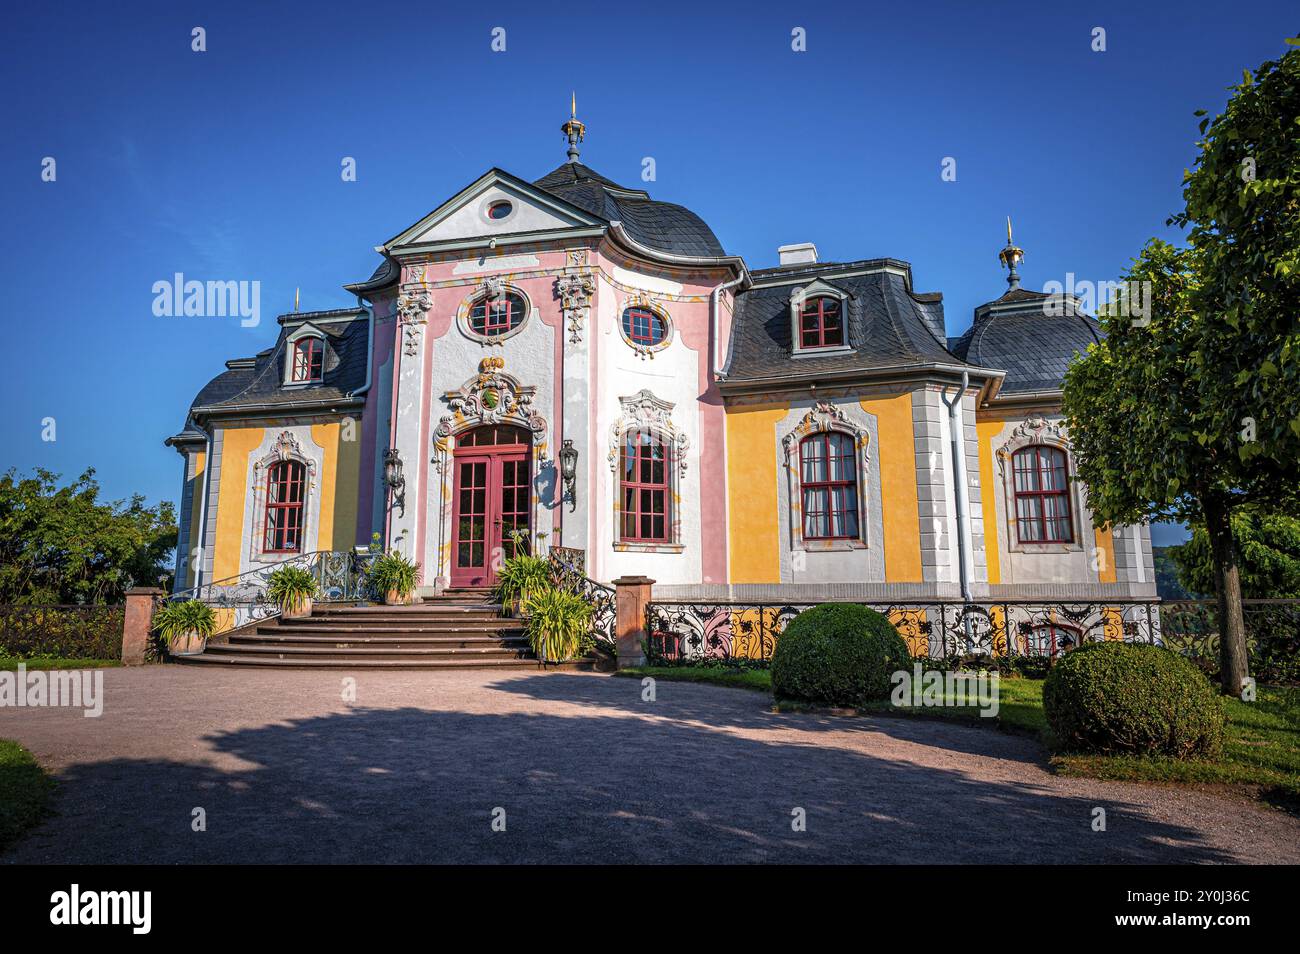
[387,273]
[660,225]
[887,324]
[241,386]
[1016,333]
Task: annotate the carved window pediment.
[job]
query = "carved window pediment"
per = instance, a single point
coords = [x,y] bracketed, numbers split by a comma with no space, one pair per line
[490,397]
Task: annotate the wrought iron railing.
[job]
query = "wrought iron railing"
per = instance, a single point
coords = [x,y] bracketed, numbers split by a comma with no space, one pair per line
[568,567]
[682,630]
[240,600]
[688,630]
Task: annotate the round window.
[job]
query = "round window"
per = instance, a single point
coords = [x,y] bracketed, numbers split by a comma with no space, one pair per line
[644,327]
[499,210]
[496,316]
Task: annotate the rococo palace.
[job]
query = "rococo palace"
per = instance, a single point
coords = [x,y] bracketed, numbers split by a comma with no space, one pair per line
[573,358]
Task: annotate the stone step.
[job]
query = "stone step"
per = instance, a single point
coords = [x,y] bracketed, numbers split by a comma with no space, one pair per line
[376,639]
[369,652]
[305,662]
[432,628]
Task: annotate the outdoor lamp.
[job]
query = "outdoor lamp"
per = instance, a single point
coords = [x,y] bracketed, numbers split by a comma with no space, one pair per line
[569,471]
[393,477]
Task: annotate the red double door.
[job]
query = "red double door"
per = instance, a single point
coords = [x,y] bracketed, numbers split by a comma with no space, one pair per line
[492,499]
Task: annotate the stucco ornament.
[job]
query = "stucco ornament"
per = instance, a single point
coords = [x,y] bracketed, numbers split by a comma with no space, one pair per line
[493,287]
[645,412]
[490,397]
[821,417]
[410,316]
[1035,429]
[574,292]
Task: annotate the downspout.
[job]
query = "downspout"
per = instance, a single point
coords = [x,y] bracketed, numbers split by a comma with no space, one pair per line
[370,345]
[956,429]
[715,323]
[203,506]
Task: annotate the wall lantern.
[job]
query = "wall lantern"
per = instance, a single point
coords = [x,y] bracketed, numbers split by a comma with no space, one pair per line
[393,477]
[569,471]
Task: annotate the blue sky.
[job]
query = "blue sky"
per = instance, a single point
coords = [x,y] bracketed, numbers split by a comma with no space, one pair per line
[226,164]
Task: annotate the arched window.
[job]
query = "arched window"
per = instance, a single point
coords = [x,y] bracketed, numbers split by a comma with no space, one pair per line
[828,477]
[308,359]
[821,323]
[643,482]
[644,327]
[491,317]
[286,486]
[1042,495]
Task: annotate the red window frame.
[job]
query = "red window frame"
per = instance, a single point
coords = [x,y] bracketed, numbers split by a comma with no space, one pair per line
[308,359]
[497,316]
[837,491]
[1041,494]
[286,485]
[644,326]
[643,489]
[821,323]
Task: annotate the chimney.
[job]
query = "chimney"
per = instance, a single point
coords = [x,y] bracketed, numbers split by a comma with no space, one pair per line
[802,254]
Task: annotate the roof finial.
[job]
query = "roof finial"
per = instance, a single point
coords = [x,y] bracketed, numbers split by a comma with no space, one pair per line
[1010,257]
[573,128]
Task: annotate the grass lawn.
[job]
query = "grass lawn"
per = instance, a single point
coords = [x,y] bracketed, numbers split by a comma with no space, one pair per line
[31,664]
[24,792]
[1261,755]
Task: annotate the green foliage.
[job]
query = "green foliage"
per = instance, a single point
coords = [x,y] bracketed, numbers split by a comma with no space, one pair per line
[394,573]
[289,586]
[1268,546]
[1169,585]
[837,654]
[520,578]
[63,545]
[25,792]
[184,616]
[61,632]
[1133,698]
[558,624]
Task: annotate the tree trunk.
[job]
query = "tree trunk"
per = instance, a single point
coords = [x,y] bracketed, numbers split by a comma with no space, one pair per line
[1227,585]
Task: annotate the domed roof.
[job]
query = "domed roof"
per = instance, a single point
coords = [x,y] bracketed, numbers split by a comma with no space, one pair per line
[1033,336]
[659,225]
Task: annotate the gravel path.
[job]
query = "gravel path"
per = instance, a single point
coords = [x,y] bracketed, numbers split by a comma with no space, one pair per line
[412,771]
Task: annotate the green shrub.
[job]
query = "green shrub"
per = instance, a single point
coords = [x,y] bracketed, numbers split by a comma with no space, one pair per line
[558,624]
[289,586]
[393,573]
[837,654]
[520,578]
[184,616]
[1132,698]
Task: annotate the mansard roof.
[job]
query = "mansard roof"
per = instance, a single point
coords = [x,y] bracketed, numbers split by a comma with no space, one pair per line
[1031,335]
[888,325]
[257,383]
[662,226]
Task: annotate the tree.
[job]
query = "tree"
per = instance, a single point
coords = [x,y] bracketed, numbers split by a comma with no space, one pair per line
[1268,547]
[1194,412]
[61,545]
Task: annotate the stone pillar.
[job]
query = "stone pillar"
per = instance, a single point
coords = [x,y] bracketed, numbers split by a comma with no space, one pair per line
[631,597]
[137,622]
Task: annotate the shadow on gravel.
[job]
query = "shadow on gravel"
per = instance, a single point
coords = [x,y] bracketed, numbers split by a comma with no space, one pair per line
[412,785]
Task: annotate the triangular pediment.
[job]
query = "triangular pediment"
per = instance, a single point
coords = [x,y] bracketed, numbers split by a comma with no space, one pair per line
[465,216]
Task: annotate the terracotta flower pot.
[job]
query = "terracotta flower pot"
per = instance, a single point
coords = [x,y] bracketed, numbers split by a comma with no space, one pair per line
[189,643]
[394,598]
[298,610]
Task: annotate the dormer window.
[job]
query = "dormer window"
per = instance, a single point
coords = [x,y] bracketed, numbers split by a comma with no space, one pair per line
[308,360]
[821,323]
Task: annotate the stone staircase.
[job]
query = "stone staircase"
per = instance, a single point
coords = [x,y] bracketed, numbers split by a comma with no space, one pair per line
[459,629]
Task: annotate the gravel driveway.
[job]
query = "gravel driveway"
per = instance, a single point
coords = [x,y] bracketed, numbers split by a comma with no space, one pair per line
[286,771]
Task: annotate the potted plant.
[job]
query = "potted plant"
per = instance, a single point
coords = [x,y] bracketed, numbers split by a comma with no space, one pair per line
[292,589]
[558,624]
[395,578]
[520,578]
[186,626]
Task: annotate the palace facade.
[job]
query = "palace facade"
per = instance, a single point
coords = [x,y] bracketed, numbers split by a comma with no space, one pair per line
[573,358]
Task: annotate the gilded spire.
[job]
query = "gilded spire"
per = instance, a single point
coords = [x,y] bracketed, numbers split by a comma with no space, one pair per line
[573,129]
[1010,257]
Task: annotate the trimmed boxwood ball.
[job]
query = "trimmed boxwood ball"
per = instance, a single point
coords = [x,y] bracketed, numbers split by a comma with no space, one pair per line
[1133,698]
[837,654]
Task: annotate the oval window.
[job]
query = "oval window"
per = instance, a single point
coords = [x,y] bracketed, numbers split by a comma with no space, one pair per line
[644,327]
[499,210]
[496,316]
